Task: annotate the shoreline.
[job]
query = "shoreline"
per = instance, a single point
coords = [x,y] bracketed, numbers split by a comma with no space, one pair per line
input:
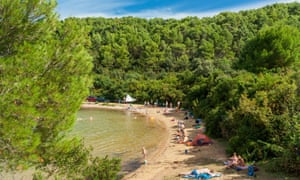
[148,112]
[170,158]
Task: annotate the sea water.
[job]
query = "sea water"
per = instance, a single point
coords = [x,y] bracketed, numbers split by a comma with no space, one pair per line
[118,133]
[113,133]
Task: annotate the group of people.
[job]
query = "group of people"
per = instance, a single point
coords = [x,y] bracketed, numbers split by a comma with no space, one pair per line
[181,135]
[235,161]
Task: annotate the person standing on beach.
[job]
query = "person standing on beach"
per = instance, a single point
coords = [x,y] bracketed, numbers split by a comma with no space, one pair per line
[178,106]
[144,152]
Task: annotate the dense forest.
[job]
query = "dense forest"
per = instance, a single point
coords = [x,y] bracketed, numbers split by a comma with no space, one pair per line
[237,71]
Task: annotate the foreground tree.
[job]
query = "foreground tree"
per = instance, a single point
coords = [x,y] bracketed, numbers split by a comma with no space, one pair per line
[44,75]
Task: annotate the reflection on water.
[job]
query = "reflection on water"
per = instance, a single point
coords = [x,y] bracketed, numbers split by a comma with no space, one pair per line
[116,133]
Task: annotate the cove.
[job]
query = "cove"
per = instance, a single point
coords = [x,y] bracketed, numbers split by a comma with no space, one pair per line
[118,133]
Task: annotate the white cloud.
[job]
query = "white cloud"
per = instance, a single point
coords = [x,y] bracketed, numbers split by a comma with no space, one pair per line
[86,8]
[150,14]
[114,8]
[257,5]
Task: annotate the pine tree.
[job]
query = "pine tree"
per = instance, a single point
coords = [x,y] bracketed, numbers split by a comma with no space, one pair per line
[44,76]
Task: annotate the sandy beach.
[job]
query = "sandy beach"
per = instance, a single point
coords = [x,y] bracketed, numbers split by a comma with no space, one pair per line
[170,158]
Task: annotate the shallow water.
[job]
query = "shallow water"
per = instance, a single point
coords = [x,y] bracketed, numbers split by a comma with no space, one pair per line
[118,133]
[115,133]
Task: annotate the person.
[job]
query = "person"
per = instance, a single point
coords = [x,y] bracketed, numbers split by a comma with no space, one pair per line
[233,161]
[183,133]
[177,138]
[186,139]
[144,152]
[178,124]
[178,105]
[181,126]
[197,172]
[178,135]
[186,116]
[240,161]
[234,157]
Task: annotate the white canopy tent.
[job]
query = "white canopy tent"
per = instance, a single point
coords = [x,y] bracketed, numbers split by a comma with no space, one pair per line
[129,98]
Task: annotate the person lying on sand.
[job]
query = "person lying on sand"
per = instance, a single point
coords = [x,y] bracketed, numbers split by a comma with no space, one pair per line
[203,173]
[184,141]
[198,171]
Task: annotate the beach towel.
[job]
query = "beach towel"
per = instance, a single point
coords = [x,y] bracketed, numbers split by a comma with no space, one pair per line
[197,126]
[201,176]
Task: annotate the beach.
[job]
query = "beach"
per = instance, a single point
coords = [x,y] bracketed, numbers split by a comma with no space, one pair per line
[172,158]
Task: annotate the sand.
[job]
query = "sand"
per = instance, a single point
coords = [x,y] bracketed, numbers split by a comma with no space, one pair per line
[170,158]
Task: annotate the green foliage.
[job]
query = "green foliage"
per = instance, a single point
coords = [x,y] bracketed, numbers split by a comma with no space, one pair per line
[289,161]
[265,116]
[236,71]
[156,47]
[257,111]
[102,169]
[31,18]
[68,158]
[274,47]
[45,73]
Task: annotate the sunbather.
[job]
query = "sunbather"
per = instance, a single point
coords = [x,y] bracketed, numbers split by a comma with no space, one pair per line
[234,157]
[240,161]
[232,162]
[199,171]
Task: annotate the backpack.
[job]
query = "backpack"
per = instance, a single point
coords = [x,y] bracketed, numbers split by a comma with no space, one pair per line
[251,170]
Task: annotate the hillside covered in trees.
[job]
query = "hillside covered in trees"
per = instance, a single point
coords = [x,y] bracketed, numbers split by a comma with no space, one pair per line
[237,71]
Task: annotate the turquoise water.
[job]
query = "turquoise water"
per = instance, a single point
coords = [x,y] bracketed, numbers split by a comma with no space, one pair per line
[118,133]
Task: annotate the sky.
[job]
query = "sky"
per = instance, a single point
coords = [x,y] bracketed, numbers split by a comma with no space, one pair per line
[156,8]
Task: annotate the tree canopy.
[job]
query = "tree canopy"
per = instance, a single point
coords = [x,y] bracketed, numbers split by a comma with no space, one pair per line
[275,47]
